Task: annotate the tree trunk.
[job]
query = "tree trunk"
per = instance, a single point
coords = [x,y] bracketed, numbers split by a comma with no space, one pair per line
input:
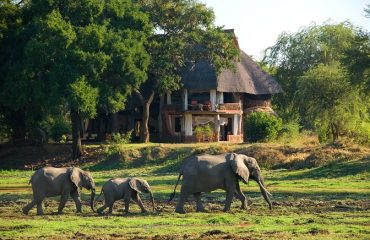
[160,120]
[76,135]
[144,128]
[18,125]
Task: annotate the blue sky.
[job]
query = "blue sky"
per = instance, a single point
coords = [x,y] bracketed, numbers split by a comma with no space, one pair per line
[258,23]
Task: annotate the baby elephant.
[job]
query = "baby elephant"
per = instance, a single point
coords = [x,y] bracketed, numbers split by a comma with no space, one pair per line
[127,189]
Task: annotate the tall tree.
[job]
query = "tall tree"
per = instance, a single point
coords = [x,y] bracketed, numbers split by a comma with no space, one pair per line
[87,55]
[301,61]
[14,97]
[294,54]
[185,33]
[330,101]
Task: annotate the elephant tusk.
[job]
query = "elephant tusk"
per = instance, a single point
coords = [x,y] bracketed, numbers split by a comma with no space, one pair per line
[263,187]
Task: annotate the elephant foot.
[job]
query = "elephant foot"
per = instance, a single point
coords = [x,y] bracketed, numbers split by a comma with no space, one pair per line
[144,211]
[200,210]
[180,210]
[25,211]
[226,209]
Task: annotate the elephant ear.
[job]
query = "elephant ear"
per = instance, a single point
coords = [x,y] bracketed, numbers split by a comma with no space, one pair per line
[238,166]
[76,177]
[136,185]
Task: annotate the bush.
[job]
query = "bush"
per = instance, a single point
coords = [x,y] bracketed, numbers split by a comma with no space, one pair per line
[289,131]
[118,138]
[260,126]
[59,129]
[203,132]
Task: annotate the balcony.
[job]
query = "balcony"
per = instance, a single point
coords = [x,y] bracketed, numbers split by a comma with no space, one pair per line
[229,106]
[204,108]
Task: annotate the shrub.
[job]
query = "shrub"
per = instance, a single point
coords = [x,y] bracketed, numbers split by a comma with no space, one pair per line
[59,129]
[289,131]
[203,132]
[260,126]
[118,138]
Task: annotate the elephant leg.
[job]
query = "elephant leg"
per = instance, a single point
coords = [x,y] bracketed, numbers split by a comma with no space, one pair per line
[110,210]
[230,190]
[101,209]
[28,207]
[184,193]
[127,204]
[108,202]
[239,194]
[137,200]
[39,208]
[76,198]
[62,203]
[198,201]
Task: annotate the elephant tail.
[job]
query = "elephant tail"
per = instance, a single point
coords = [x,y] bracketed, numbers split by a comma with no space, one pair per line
[174,190]
[96,199]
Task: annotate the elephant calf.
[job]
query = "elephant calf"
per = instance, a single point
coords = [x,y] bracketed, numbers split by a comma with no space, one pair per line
[205,173]
[127,189]
[51,182]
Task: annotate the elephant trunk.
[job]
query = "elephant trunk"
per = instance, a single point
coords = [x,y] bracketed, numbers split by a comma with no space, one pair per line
[264,191]
[92,199]
[152,200]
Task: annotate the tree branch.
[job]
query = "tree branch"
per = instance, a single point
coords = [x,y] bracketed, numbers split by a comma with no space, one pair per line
[142,99]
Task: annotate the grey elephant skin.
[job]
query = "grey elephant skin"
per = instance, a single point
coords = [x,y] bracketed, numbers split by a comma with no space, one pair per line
[205,173]
[126,189]
[64,182]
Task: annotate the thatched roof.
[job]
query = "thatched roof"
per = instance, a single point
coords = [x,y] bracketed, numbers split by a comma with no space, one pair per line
[247,77]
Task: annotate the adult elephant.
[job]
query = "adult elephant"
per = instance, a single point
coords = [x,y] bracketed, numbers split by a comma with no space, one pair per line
[205,173]
[64,182]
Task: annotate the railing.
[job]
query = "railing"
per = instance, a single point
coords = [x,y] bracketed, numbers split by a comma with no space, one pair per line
[230,106]
[203,107]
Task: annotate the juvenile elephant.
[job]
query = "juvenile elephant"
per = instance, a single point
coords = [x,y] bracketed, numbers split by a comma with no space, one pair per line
[51,182]
[205,173]
[126,189]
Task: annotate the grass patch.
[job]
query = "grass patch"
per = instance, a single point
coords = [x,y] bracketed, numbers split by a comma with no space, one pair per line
[329,201]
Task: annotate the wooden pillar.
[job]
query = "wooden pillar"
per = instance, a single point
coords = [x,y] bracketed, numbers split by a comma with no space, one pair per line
[217,127]
[213,99]
[235,124]
[240,132]
[188,125]
[168,98]
[185,99]
[220,97]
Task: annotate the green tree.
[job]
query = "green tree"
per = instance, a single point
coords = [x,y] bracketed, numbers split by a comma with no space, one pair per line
[295,55]
[86,55]
[14,97]
[367,11]
[181,26]
[261,126]
[330,101]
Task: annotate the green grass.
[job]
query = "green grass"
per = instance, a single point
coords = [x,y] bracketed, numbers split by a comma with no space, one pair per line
[327,202]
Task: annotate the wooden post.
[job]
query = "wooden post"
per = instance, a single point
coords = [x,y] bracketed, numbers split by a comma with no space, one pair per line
[217,127]
[235,124]
[188,125]
[185,99]
[213,99]
[169,98]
